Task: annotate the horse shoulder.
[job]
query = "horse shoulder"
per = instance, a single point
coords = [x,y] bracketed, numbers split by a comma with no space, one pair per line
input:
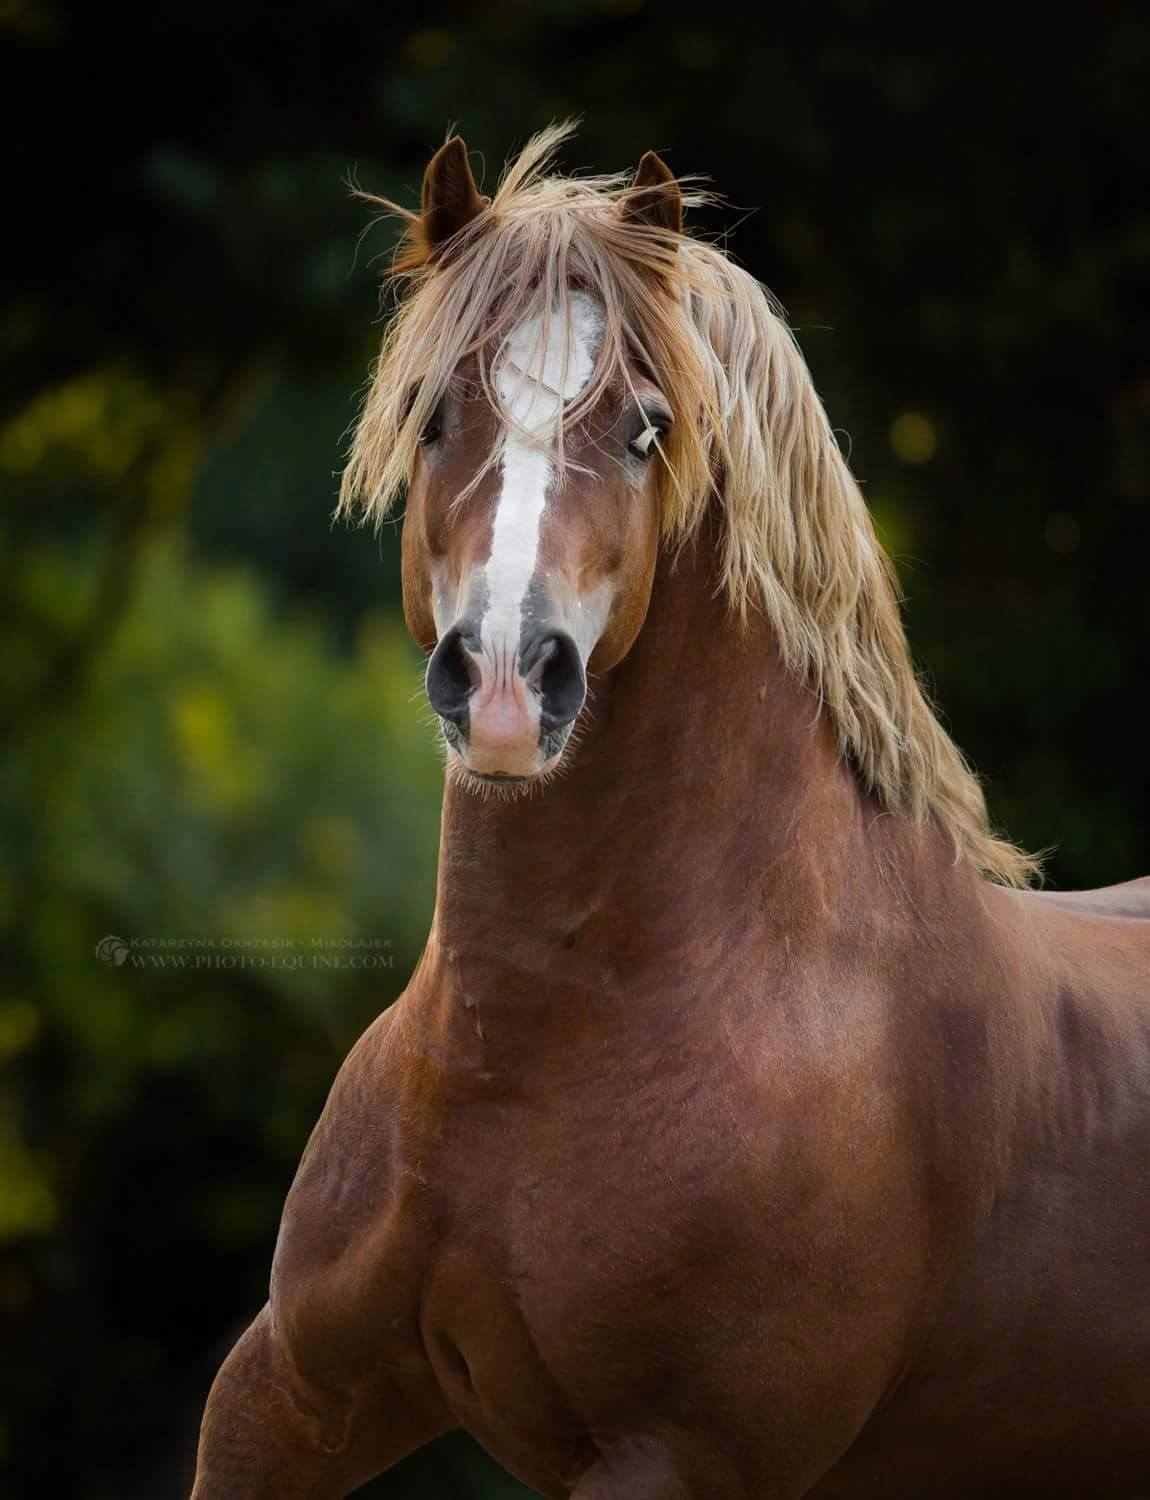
[354,1239]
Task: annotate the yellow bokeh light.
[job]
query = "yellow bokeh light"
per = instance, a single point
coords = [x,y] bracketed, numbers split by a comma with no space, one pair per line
[913,437]
[429,49]
[1063,533]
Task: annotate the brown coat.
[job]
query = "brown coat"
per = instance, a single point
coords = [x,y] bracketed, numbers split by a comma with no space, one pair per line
[731,1140]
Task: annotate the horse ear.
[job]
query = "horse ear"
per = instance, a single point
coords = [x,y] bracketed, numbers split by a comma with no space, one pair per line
[450,198]
[658,203]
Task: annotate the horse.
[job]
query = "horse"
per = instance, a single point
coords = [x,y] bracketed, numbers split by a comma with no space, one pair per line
[748,1127]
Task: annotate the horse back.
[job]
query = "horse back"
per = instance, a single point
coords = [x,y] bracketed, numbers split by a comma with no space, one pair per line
[1130,899]
[1041,1340]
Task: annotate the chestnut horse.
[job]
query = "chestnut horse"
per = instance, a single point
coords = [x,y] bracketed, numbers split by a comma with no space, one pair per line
[745,1130]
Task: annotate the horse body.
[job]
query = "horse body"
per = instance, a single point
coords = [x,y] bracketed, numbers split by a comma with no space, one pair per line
[1034,1375]
[733,1137]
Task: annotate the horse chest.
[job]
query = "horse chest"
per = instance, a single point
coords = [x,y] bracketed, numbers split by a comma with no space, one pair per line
[553,1309]
[590,1258]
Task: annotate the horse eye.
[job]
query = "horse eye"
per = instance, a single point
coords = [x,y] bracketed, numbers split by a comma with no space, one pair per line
[644,444]
[432,429]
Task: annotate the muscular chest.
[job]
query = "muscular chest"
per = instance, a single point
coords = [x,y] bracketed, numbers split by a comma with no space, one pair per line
[578,1279]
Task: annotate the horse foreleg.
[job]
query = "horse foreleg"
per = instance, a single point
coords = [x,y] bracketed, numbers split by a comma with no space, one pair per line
[643,1470]
[267,1434]
[650,1470]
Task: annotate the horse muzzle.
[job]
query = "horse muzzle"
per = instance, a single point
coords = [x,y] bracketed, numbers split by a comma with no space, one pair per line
[507,707]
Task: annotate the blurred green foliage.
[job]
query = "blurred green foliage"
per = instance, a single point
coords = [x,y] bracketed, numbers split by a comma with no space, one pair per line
[212,724]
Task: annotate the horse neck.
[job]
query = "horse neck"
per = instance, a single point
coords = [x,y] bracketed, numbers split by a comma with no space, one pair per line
[706,796]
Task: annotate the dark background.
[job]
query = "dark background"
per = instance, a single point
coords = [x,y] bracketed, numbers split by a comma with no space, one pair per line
[210,711]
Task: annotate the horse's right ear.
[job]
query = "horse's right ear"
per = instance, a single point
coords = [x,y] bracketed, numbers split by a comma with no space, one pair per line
[450,197]
[655,198]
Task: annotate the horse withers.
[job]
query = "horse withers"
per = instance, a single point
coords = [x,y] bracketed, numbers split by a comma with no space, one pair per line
[746,1129]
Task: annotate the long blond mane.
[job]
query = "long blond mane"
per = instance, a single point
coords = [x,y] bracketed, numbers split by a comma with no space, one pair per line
[797,539]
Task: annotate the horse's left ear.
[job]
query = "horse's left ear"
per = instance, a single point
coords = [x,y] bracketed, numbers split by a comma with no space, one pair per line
[450,197]
[655,198]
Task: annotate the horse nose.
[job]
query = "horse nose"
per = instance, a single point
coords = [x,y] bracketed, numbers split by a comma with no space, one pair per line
[451,676]
[502,709]
[550,663]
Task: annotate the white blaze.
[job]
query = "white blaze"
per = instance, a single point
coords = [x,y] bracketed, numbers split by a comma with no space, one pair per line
[546,363]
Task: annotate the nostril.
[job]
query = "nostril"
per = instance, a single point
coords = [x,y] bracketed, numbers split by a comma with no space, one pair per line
[562,683]
[450,678]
